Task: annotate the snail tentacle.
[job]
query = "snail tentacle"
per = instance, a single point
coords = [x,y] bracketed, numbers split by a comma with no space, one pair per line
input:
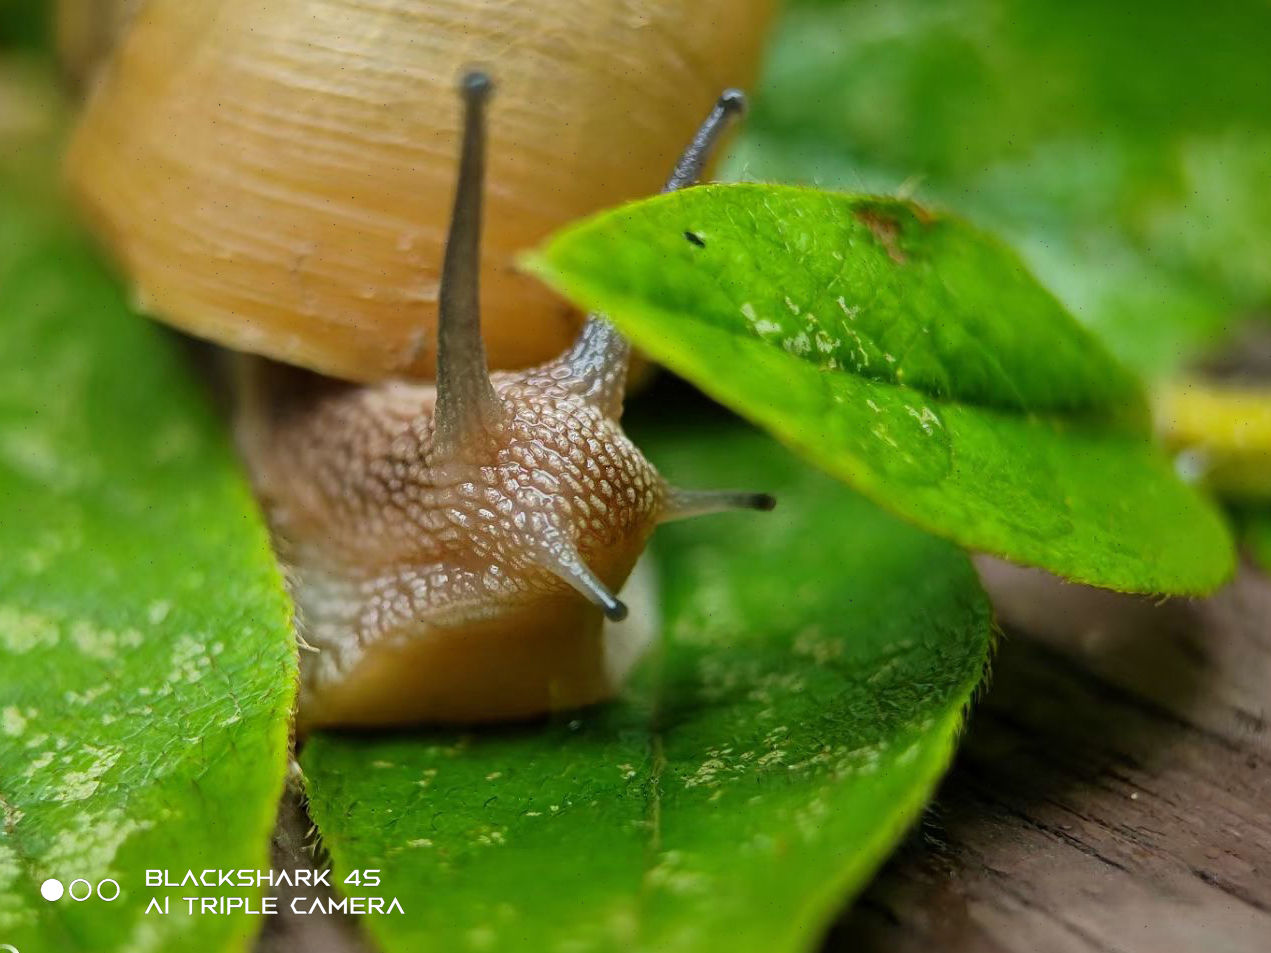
[598,359]
[467,407]
[597,363]
[681,504]
[561,558]
[731,104]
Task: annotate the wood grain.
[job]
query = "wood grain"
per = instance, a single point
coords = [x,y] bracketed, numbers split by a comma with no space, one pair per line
[1114,789]
[296,847]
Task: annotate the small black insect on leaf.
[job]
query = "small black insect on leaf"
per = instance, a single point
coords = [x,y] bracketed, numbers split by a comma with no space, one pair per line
[695,239]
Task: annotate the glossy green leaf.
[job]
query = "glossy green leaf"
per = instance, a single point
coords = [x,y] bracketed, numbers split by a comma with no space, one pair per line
[1122,151]
[1151,316]
[146,655]
[911,356]
[815,668]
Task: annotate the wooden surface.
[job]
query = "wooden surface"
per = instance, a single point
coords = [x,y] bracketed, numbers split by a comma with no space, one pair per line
[296,847]
[1113,792]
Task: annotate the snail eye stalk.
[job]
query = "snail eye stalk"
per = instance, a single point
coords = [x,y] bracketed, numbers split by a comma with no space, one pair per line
[562,560]
[467,407]
[598,358]
[682,504]
[469,416]
[687,171]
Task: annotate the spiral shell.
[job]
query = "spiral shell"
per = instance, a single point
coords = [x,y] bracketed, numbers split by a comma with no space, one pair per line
[275,175]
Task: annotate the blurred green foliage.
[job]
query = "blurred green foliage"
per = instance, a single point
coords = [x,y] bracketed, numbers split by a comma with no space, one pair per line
[24,23]
[1123,147]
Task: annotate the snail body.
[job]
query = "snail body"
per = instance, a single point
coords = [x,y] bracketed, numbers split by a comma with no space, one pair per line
[453,547]
[408,555]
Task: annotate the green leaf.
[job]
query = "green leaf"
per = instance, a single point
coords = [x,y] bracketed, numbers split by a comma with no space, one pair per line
[145,640]
[911,356]
[874,287]
[816,665]
[1123,154]
[1150,315]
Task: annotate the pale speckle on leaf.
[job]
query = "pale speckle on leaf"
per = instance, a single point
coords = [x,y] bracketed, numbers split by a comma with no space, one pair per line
[81,784]
[21,632]
[12,721]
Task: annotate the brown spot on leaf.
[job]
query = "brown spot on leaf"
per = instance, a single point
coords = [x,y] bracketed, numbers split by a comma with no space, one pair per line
[924,215]
[885,229]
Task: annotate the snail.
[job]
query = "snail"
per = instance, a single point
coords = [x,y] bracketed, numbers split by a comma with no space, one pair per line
[453,549]
[470,525]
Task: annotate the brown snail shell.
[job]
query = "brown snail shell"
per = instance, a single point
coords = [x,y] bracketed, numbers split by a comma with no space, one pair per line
[275,175]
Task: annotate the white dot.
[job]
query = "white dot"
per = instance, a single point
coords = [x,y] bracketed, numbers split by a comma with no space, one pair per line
[52,890]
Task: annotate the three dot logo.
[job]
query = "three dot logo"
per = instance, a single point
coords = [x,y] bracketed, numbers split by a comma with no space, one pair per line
[78,890]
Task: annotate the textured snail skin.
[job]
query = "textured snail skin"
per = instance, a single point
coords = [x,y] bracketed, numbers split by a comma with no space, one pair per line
[422,580]
[437,539]
[274,175]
